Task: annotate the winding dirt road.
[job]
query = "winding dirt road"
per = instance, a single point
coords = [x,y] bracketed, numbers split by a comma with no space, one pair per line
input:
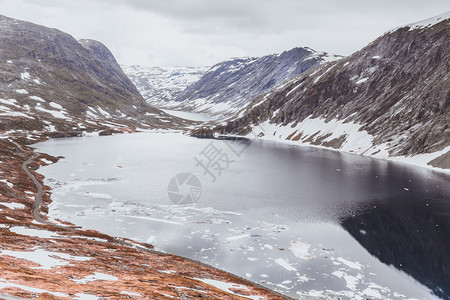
[38,198]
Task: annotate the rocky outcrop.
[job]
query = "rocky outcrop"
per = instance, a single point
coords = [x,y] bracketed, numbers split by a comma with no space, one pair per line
[392,98]
[228,86]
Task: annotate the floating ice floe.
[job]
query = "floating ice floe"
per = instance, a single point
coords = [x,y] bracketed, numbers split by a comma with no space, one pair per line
[300,250]
[285,264]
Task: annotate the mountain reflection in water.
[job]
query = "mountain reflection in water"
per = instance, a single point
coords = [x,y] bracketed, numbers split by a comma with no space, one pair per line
[411,234]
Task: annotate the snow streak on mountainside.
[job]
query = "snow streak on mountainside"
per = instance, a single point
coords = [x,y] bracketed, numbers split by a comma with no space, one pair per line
[51,82]
[391,98]
[159,85]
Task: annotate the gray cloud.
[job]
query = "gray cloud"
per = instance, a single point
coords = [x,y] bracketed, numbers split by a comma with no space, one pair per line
[203,32]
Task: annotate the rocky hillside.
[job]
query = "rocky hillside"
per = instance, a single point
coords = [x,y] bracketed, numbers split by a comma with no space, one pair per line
[392,98]
[48,79]
[159,85]
[228,86]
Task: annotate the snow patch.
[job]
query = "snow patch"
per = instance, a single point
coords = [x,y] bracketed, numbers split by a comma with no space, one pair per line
[5,284]
[362,80]
[46,259]
[25,75]
[22,91]
[13,205]
[9,184]
[55,105]
[96,276]
[354,140]
[36,98]
[56,114]
[45,234]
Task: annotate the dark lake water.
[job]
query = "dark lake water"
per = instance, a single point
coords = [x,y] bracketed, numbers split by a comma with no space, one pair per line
[300,220]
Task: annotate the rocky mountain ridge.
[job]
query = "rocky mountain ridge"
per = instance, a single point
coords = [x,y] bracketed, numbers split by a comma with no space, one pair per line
[390,99]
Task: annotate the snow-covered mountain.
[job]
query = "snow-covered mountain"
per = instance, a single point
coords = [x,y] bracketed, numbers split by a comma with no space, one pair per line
[159,85]
[389,100]
[224,88]
[230,85]
[51,82]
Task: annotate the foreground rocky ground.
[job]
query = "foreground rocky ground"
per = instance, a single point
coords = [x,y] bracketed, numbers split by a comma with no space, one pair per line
[53,259]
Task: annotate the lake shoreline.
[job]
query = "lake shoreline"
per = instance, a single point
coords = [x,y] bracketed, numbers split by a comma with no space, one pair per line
[409,161]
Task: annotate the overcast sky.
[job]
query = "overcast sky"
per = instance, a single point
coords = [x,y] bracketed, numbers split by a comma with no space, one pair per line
[204,32]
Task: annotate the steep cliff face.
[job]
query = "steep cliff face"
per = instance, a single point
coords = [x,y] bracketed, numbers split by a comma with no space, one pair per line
[47,75]
[228,86]
[392,98]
